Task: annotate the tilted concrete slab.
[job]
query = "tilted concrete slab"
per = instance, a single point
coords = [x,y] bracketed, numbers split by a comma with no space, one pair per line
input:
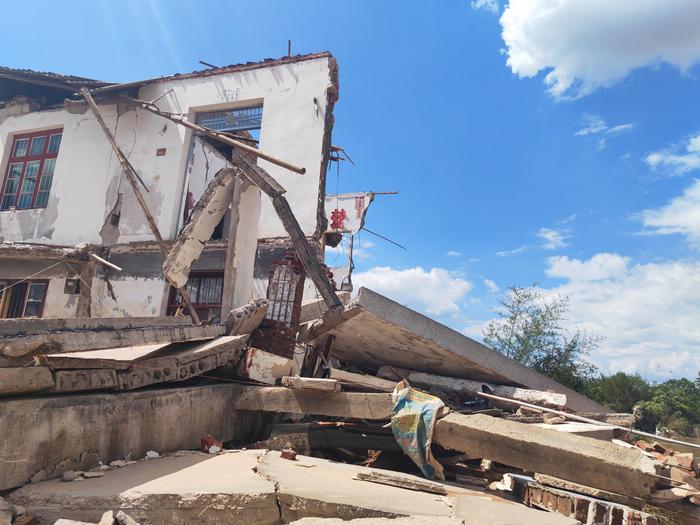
[45,436]
[249,487]
[387,333]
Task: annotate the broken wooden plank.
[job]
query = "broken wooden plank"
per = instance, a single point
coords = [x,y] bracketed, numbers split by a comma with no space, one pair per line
[587,461]
[17,327]
[404,482]
[466,386]
[362,381]
[310,383]
[350,405]
[22,380]
[62,342]
[206,215]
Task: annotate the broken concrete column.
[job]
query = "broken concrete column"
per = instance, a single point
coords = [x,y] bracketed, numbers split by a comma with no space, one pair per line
[207,214]
[244,319]
[264,367]
[242,242]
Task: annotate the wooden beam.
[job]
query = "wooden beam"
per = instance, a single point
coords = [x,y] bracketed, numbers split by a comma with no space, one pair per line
[132,177]
[306,256]
[62,342]
[222,137]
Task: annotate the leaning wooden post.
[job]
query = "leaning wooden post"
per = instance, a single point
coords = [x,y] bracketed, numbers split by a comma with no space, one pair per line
[132,177]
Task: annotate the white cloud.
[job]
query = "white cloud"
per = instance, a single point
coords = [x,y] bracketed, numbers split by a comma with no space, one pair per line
[648,313]
[680,216]
[583,45]
[436,292]
[514,251]
[453,253]
[491,286]
[553,239]
[487,5]
[677,159]
[595,125]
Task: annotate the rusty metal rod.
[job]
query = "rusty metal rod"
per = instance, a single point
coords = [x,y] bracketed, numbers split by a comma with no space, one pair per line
[179,119]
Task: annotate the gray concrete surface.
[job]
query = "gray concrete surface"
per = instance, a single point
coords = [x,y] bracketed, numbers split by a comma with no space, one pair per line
[387,333]
[483,510]
[251,487]
[44,436]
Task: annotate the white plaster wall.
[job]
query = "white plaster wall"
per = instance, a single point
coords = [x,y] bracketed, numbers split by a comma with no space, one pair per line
[136,297]
[87,177]
[292,125]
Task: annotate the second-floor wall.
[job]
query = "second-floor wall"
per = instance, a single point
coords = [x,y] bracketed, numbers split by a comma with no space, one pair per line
[88,200]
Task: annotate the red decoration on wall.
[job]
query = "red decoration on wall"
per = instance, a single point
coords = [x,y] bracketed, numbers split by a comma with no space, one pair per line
[337,218]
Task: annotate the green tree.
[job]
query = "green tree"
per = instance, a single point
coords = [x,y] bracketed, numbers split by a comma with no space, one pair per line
[674,406]
[529,330]
[620,392]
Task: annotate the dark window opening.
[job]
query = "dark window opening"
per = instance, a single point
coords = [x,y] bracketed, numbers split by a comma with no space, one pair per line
[22,298]
[30,168]
[205,290]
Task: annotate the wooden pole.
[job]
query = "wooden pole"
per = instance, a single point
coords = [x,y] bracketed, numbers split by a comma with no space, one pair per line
[242,146]
[132,177]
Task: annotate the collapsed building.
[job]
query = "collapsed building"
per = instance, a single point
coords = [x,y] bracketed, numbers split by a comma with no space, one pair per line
[171,338]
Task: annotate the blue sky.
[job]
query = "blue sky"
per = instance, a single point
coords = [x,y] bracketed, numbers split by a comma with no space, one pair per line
[531,142]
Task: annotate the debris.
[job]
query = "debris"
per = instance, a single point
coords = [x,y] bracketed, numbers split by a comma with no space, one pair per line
[309,383]
[95,474]
[152,454]
[214,449]
[288,453]
[26,519]
[246,318]
[118,463]
[264,367]
[69,475]
[208,442]
[107,518]
[5,512]
[402,481]
[362,381]
[124,519]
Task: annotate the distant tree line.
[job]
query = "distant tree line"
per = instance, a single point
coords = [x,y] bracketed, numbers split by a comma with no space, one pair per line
[529,329]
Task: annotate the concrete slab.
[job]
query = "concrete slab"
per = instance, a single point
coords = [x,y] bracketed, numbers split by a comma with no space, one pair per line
[387,333]
[249,487]
[408,520]
[194,488]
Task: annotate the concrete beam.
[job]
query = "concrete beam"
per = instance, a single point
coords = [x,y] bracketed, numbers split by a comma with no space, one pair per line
[362,381]
[62,342]
[351,405]
[466,386]
[17,327]
[25,379]
[586,461]
[207,213]
[383,332]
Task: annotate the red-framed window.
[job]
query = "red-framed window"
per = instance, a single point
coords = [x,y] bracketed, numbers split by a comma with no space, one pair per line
[22,298]
[30,168]
[205,290]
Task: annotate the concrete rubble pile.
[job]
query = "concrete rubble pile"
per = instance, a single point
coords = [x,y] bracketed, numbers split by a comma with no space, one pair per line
[286,410]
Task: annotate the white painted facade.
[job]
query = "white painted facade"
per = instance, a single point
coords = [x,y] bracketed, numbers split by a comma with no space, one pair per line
[88,179]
